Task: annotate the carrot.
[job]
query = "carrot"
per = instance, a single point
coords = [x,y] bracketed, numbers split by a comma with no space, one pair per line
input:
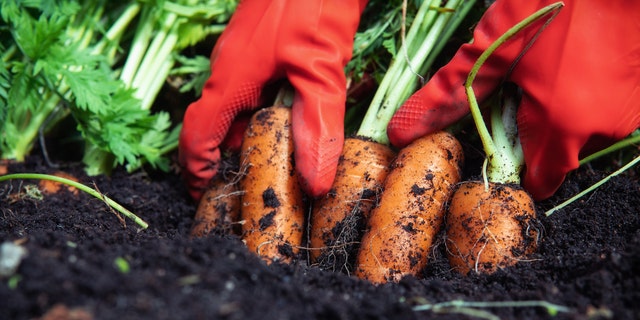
[273,207]
[339,218]
[219,209]
[411,210]
[51,187]
[492,224]
[490,229]
[4,166]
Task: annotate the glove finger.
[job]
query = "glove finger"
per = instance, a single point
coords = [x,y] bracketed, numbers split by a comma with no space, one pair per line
[205,127]
[318,133]
[243,61]
[550,150]
[318,126]
[317,73]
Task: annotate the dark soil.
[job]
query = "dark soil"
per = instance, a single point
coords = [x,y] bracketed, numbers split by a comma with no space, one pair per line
[588,262]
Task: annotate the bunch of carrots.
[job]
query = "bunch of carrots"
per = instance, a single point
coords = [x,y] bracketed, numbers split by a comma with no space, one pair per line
[386,207]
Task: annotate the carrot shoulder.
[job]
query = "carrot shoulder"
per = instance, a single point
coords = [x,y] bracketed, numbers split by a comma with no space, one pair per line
[339,217]
[411,209]
[272,204]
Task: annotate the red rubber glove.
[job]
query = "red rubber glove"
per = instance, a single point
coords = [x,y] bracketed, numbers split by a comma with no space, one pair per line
[580,82]
[307,42]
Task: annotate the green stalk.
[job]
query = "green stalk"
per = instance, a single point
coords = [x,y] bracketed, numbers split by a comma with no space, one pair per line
[468,307]
[424,36]
[148,83]
[81,187]
[632,139]
[116,31]
[192,9]
[24,143]
[159,58]
[31,121]
[139,46]
[151,55]
[9,52]
[149,60]
[379,114]
[593,187]
[509,159]
[102,162]
[83,32]
[154,85]
[503,163]
[459,15]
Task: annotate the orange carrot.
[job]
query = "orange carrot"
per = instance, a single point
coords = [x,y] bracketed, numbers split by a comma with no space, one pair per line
[411,209]
[335,218]
[51,187]
[492,224]
[338,218]
[219,209]
[4,166]
[273,207]
[490,229]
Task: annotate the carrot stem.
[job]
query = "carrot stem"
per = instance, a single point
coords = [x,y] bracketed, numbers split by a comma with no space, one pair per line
[82,187]
[504,135]
[500,149]
[429,31]
[285,94]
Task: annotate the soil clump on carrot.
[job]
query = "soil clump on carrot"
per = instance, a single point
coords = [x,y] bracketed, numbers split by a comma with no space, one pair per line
[587,260]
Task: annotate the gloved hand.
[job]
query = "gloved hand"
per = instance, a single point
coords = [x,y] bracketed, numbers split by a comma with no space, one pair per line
[307,42]
[580,82]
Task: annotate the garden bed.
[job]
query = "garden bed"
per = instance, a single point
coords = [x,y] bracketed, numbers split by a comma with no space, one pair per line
[588,262]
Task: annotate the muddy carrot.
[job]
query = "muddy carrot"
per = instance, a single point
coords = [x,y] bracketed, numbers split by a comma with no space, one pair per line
[273,209]
[338,219]
[411,209]
[51,187]
[219,209]
[489,229]
[491,224]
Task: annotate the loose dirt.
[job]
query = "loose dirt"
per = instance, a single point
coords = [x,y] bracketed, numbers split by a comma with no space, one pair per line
[587,262]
